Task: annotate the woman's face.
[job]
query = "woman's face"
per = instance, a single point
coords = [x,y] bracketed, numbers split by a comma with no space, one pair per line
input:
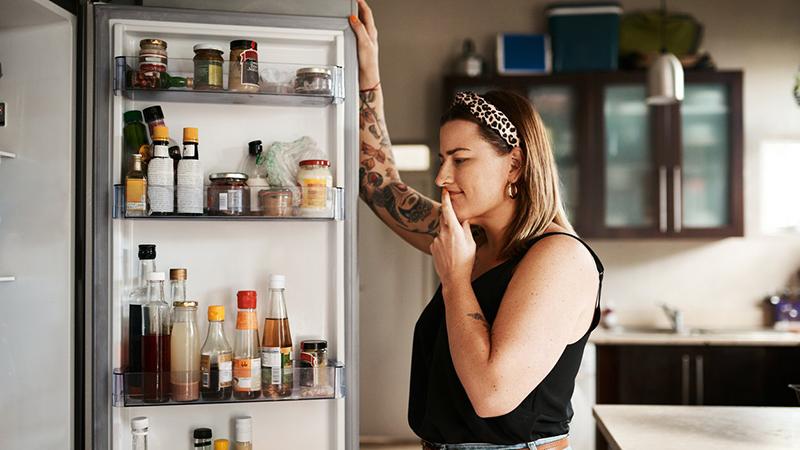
[473,171]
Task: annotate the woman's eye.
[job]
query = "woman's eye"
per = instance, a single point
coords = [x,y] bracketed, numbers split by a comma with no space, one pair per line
[459,161]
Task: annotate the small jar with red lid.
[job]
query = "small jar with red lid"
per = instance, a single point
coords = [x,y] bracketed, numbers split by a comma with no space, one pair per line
[315,181]
[243,74]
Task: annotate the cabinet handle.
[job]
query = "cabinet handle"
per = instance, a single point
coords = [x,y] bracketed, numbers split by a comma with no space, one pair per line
[685,361]
[677,198]
[662,199]
[698,368]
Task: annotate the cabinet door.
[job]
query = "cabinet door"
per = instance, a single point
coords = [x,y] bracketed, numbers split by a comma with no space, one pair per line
[706,173]
[730,376]
[644,374]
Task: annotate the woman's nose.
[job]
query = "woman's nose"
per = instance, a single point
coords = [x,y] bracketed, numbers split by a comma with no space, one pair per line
[443,177]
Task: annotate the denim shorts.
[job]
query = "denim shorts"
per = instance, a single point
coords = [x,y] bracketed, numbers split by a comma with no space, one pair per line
[477,446]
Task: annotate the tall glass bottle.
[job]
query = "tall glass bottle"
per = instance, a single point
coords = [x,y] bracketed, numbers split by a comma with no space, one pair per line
[177,282]
[155,343]
[136,142]
[276,348]
[136,189]
[185,352]
[161,175]
[136,300]
[139,429]
[216,358]
[246,356]
[190,176]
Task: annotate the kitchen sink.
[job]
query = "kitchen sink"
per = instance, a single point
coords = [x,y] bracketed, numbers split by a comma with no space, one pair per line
[696,331]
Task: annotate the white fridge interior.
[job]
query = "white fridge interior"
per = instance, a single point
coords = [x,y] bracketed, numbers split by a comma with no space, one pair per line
[224,256]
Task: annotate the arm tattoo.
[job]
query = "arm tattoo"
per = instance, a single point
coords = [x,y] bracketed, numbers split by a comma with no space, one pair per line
[479,317]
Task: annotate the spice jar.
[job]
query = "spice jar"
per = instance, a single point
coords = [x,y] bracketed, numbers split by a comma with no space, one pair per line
[315,180]
[313,80]
[313,363]
[243,76]
[276,202]
[202,438]
[228,194]
[152,56]
[208,62]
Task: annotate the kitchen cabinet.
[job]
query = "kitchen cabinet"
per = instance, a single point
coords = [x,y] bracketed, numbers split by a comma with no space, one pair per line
[630,170]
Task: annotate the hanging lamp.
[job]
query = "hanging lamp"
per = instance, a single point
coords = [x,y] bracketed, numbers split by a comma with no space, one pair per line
[665,74]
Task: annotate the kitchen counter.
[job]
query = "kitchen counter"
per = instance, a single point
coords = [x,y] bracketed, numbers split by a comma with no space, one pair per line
[754,337]
[635,427]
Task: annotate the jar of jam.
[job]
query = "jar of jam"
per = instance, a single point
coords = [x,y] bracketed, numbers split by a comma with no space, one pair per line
[276,202]
[152,56]
[208,63]
[313,80]
[228,194]
[316,181]
[243,76]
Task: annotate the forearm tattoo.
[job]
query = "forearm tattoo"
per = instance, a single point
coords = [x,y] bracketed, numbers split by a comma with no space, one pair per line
[479,317]
[379,183]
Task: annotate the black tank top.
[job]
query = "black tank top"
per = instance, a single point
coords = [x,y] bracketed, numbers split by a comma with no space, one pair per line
[439,410]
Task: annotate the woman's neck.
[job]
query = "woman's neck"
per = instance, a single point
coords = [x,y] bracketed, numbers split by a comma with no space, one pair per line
[495,226]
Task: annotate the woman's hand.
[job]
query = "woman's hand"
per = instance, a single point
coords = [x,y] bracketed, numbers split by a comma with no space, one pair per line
[367,37]
[453,249]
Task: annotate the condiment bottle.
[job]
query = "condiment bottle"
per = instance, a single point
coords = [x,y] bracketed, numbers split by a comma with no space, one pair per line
[315,180]
[215,358]
[160,174]
[256,181]
[276,348]
[136,189]
[136,321]
[185,352]
[140,426]
[136,142]
[190,176]
[208,64]
[244,433]
[202,439]
[156,344]
[246,357]
[243,75]
[221,444]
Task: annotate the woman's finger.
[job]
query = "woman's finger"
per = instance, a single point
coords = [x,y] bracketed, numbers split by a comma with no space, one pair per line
[448,214]
[365,13]
[359,30]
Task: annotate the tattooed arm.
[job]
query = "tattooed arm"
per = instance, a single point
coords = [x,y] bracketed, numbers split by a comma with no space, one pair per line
[411,215]
[408,213]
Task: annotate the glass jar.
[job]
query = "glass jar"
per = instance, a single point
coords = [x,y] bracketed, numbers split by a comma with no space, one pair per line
[276,202]
[243,76]
[313,80]
[152,56]
[228,194]
[208,62]
[314,363]
[185,352]
[316,181]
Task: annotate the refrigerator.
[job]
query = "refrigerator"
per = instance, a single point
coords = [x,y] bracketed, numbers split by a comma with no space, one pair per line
[222,254]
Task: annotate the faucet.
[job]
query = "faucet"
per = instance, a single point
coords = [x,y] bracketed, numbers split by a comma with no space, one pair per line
[675,317]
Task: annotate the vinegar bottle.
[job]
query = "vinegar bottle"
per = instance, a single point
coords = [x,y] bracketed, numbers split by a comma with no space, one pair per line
[276,348]
[246,357]
[155,343]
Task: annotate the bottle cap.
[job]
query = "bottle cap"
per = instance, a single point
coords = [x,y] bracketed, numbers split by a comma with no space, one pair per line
[277,282]
[244,429]
[153,113]
[202,433]
[155,276]
[190,134]
[185,304]
[314,344]
[246,299]
[221,444]
[132,116]
[160,133]
[147,251]
[216,313]
[205,46]
[315,162]
[140,423]
[177,274]
[255,147]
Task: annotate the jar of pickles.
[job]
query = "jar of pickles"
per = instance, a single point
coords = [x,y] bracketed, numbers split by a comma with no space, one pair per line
[208,63]
[228,194]
[152,56]
[243,76]
[316,181]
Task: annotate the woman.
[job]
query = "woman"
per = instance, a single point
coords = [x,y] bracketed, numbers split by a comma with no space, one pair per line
[497,349]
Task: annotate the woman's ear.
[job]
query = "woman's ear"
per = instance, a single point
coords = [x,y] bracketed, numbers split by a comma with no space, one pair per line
[516,164]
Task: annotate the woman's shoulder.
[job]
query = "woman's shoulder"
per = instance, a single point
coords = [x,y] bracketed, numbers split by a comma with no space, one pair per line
[560,248]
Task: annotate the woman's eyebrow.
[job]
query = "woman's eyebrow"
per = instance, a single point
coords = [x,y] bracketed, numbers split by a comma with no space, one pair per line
[454,150]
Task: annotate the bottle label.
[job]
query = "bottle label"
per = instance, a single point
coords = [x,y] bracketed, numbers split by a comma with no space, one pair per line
[246,374]
[160,189]
[249,61]
[246,320]
[136,194]
[276,363]
[225,370]
[190,186]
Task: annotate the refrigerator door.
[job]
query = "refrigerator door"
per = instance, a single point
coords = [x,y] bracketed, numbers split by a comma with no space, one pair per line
[37,165]
[223,256]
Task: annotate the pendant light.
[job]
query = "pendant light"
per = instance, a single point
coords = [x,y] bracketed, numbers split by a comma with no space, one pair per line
[665,74]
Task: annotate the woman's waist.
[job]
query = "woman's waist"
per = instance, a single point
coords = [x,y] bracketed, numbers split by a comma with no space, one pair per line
[549,443]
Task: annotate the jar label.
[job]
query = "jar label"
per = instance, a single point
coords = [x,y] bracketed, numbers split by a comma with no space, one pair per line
[249,61]
[223,201]
[235,200]
[208,73]
[315,193]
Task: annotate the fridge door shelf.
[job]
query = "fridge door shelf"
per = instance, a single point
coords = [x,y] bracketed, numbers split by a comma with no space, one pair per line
[279,84]
[296,212]
[310,383]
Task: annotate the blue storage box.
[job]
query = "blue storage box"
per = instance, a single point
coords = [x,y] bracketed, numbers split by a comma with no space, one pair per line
[523,53]
[584,36]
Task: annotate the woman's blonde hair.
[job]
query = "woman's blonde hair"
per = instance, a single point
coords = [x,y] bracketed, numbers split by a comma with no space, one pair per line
[539,194]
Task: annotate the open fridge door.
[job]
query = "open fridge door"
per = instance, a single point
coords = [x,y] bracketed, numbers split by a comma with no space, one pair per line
[225,253]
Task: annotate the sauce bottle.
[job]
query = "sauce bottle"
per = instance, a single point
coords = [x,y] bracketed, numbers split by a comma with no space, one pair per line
[185,353]
[215,358]
[161,175]
[276,348]
[246,356]
[156,343]
[190,176]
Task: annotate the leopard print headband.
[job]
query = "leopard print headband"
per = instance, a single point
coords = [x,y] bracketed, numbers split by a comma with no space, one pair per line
[489,115]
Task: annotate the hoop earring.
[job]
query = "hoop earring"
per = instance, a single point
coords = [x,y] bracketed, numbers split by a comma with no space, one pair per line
[511,190]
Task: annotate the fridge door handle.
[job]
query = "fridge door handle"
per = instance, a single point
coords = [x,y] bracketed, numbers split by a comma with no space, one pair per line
[677,199]
[662,199]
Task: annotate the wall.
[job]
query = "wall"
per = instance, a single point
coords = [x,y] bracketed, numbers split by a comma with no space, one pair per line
[716,282]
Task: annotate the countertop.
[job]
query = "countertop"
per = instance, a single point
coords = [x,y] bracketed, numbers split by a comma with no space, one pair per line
[637,427]
[752,337]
